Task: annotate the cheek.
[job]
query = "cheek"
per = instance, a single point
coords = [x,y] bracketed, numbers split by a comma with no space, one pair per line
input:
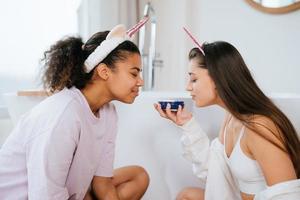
[128,84]
[124,84]
[205,93]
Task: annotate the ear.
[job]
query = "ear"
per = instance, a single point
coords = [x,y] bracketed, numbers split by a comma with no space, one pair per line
[102,71]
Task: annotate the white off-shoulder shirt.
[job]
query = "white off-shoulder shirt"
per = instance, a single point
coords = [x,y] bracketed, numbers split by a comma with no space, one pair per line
[210,166]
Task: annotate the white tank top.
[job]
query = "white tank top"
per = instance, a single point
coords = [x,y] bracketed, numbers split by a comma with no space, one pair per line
[246,170]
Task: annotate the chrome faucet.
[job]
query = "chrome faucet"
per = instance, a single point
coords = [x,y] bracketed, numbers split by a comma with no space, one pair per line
[149,58]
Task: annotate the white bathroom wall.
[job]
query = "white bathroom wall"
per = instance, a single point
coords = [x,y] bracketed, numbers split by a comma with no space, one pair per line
[269,43]
[171,44]
[100,15]
[28,28]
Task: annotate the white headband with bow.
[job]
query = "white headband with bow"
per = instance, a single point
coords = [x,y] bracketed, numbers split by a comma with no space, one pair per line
[115,37]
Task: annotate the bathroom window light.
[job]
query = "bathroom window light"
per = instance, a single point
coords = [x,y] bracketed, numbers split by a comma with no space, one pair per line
[28,28]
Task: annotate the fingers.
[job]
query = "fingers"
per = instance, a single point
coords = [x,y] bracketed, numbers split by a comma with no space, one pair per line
[160,111]
[171,115]
[182,111]
[179,111]
[167,113]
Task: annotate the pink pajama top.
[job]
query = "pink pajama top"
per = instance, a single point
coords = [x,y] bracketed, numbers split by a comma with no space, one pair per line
[57,148]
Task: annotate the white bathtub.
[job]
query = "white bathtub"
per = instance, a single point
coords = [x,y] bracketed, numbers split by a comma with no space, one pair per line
[146,139]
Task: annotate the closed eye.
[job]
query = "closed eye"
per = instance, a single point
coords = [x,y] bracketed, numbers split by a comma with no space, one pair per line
[135,71]
[134,74]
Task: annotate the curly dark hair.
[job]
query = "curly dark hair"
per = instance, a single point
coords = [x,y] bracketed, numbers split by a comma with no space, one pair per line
[63,63]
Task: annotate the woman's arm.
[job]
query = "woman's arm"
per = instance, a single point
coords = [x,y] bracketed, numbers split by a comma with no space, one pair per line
[48,159]
[195,143]
[275,163]
[104,188]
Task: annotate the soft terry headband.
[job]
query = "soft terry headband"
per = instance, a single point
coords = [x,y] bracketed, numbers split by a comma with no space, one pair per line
[115,37]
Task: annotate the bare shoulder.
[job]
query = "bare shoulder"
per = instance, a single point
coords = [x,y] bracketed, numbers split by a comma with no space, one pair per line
[264,142]
[262,131]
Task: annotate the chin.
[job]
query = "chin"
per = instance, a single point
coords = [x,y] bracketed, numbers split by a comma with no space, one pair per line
[199,105]
[127,100]
[202,104]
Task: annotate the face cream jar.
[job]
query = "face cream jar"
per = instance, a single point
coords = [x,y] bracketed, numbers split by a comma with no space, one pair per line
[174,104]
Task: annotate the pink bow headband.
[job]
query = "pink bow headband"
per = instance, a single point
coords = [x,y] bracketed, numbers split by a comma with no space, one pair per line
[194,40]
[137,27]
[115,37]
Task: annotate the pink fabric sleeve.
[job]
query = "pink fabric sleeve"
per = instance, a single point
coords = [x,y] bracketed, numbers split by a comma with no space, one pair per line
[49,156]
[106,166]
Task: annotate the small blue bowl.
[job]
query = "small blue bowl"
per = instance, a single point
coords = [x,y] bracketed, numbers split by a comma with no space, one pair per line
[174,104]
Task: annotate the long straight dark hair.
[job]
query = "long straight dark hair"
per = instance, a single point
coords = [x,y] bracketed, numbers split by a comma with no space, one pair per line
[241,95]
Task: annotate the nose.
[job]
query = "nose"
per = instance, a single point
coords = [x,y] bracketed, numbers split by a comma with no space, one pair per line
[189,87]
[140,82]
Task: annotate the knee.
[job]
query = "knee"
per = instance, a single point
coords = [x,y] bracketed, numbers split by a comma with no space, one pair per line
[183,195]
[141,176]
[189,194]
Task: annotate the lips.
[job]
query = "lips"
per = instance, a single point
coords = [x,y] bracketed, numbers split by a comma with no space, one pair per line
[135,92]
